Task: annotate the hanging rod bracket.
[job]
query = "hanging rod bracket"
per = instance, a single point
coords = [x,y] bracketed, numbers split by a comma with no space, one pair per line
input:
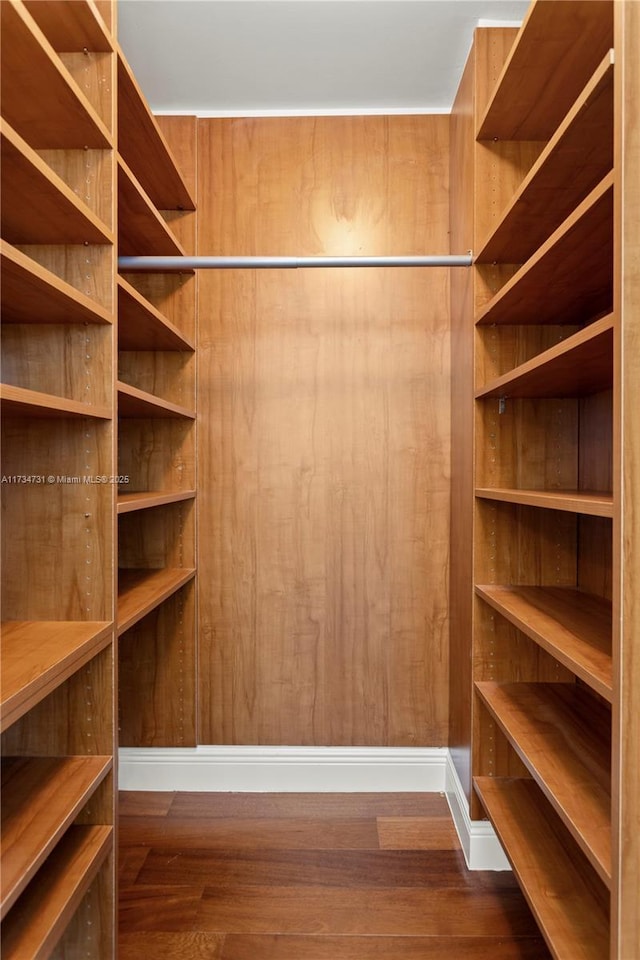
[287,263]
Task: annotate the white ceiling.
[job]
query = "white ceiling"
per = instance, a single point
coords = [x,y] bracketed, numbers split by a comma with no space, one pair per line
[244,57]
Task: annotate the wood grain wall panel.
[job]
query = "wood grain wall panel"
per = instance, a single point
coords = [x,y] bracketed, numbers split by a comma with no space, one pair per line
[324,394]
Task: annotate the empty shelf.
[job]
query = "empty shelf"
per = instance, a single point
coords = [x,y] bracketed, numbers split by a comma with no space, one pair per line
[564,739]
[19,402]
[41,915]
[70,26]
[32,294]
[580,365]
[571,501]
[141,591]
[141,326]
[570,915]
[544,289]
[43,100]
[145,499]
[553,56]
[41,797]
[138,403]
[141,229]
[37,656]
[140,137]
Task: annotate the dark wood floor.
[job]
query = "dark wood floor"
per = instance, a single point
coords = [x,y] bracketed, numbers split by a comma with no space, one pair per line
[309,877]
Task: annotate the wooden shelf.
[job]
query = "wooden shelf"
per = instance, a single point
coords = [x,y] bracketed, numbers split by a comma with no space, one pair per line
[70,26]
[139,138]
[37,656]
[140,404]
[580,365]
[545,289]
[571,917]
[40,798]
[142,327]
[145,500]
[577,157]
[570,501]
[141,591]
[554,54]
[19,402]
[41,915]
[564,739]
[39,96]
[141,229]
[32,294]
[39,207]
[573,626]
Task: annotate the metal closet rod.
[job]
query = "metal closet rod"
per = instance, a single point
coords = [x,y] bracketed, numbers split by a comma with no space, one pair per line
[277,263]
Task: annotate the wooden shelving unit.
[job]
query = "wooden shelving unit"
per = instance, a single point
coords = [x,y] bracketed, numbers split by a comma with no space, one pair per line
[156,428]
[543,596]
[58,262]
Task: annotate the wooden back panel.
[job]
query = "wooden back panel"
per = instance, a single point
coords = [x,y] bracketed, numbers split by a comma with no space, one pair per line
[324,403]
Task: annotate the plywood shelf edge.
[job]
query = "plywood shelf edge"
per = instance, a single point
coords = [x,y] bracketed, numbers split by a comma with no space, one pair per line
[145,500]
[592,504]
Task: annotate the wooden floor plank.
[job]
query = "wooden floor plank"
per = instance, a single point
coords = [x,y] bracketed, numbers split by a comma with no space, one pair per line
[417,833]
[172,946]
[130,861]
[317,805]
[330,868]
[221,833]
[239,947]
[144,803]
[163,907]
[387,911]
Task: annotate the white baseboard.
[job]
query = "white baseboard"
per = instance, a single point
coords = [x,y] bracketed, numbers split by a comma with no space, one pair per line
[315,770]
[284,769]
[480,845]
